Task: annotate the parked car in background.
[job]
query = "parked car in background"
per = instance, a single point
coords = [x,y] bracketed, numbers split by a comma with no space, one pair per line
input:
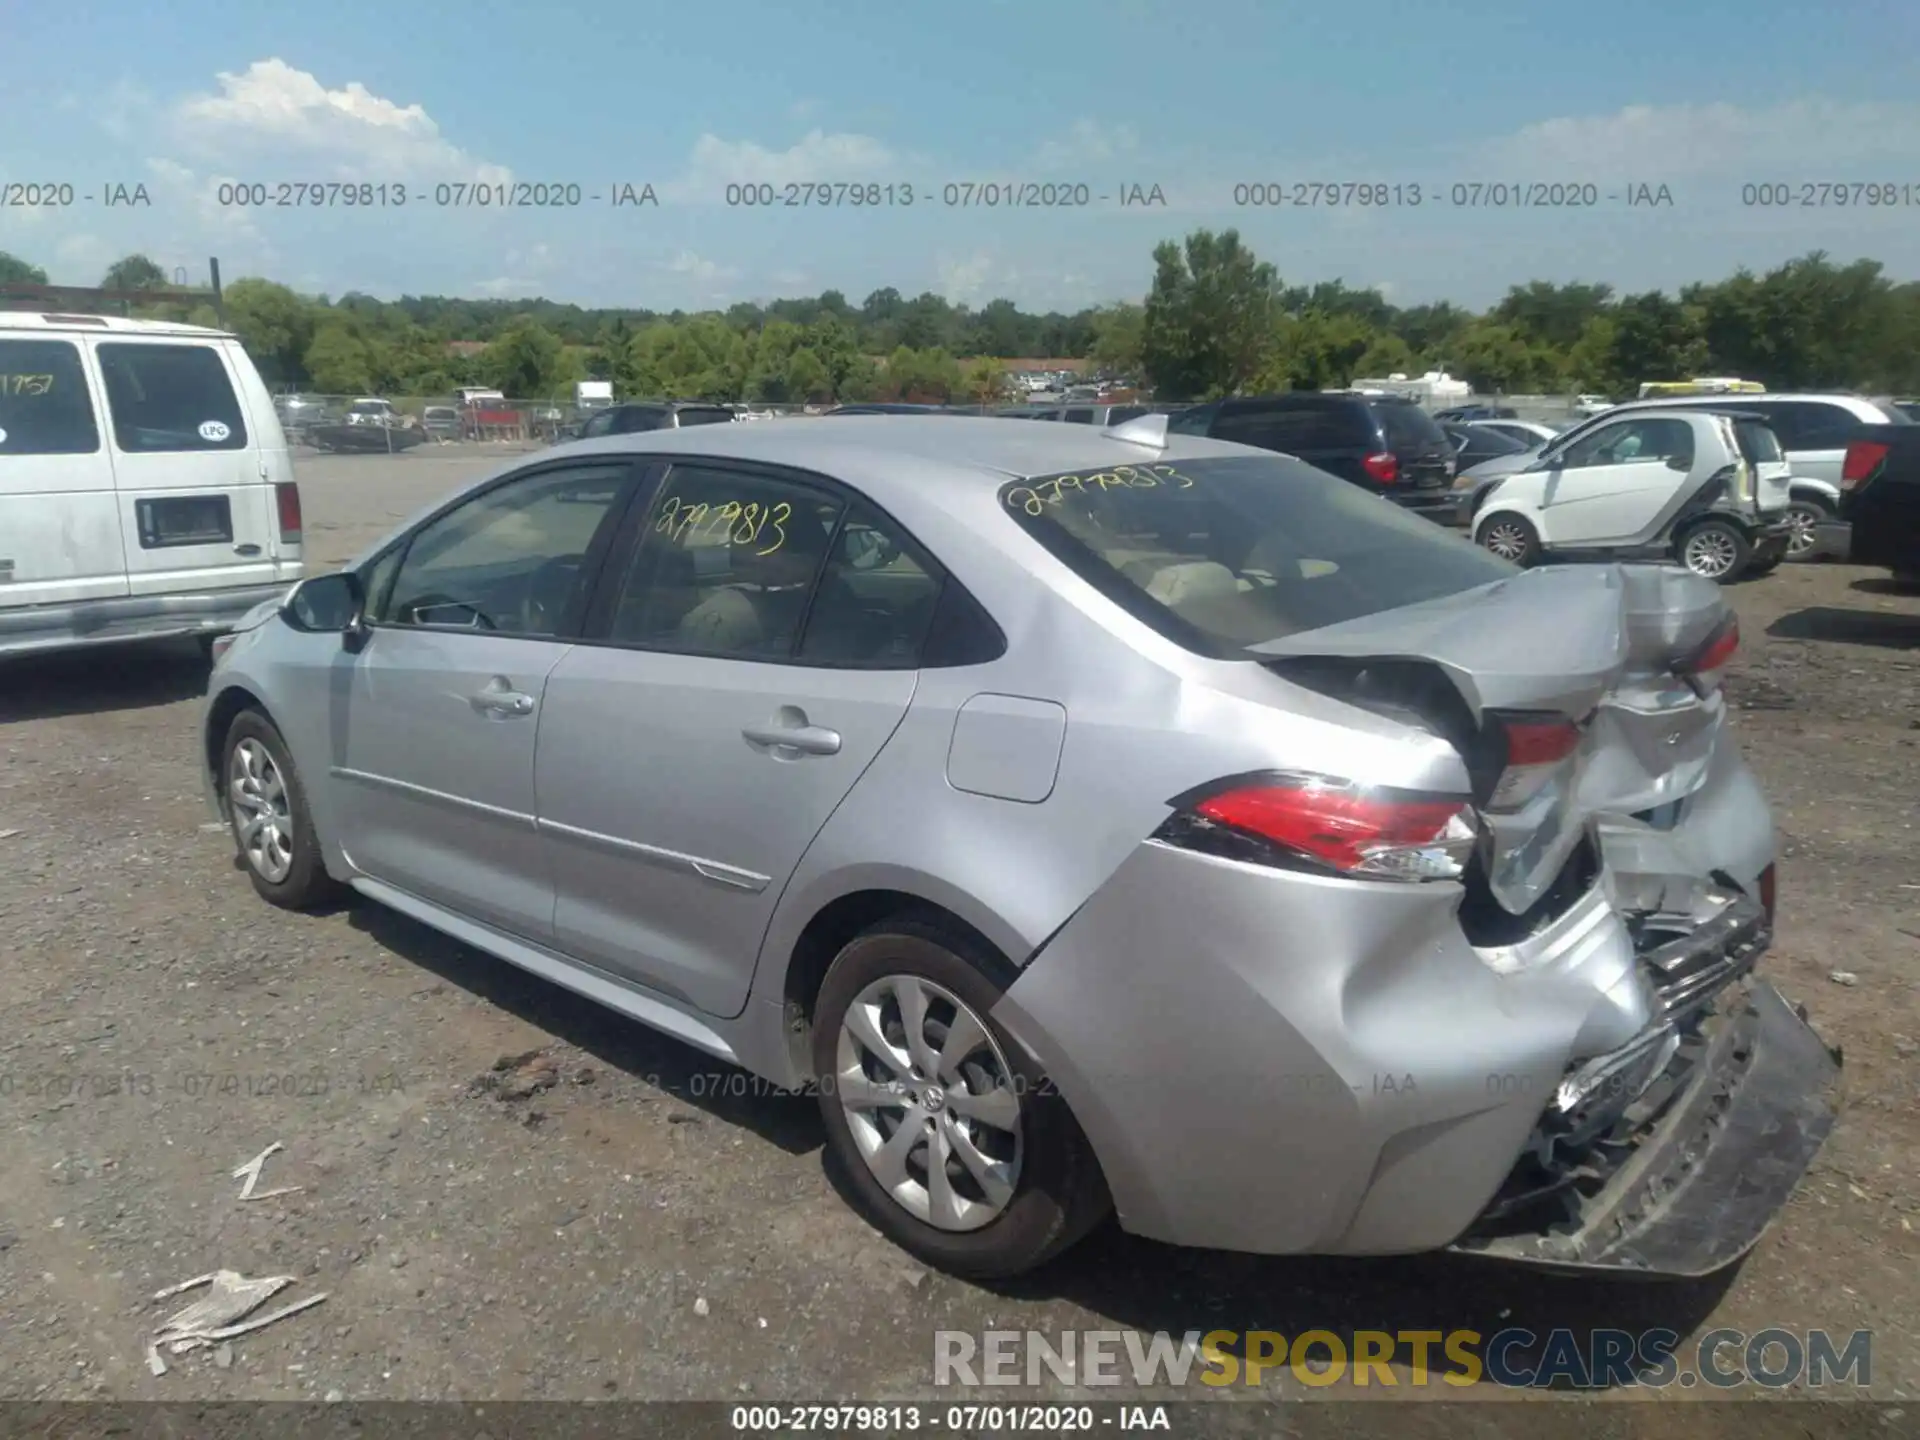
[1908,408]
[1530,433]
[890,407]
[635,417]
[145,484]
[1814,430]
[1460,413]
[442,422]
[1382,443]
[1591,405]
[1233,791]
[1878,521]
[1474,444]
[1708,488]
[1090,414]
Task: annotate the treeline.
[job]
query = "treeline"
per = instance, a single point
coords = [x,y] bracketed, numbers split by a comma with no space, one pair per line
[1216,320]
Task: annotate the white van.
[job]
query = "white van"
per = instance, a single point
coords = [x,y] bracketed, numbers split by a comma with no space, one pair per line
[145,486]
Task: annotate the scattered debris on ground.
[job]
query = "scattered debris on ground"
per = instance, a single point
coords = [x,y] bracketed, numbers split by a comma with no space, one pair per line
[517,1077]
[220,1314]
[250,1172]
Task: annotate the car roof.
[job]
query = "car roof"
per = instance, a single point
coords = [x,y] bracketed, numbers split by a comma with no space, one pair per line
[1698,402]
[61,323]
[884,454]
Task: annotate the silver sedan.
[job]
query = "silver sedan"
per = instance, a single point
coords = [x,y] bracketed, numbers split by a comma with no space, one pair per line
[1096,821]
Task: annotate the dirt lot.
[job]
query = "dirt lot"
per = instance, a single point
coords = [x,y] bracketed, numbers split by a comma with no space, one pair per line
[653,1225]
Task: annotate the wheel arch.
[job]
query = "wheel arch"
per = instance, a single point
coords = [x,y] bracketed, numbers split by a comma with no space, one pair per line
[836,922]
[220,714]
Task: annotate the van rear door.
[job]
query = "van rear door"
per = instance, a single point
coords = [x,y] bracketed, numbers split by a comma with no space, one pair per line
[196,512]
[59,516]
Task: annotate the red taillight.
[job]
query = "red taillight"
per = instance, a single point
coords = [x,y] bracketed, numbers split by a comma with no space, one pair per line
[1538,747]
[1366,833]
[1862,462]
[1769,891]
[1384,467]
[1704,669]
[286,496]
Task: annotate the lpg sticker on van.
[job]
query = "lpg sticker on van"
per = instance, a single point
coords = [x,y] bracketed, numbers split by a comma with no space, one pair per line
[213,431]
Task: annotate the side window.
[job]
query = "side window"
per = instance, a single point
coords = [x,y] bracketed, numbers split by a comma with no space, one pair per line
[170,398]
[1080,415]
[508,560]
[1648,438]
[44,407]
[875,600]
[1289,429]
[601,424]
[726,565]
[1822,427]
[1193,421]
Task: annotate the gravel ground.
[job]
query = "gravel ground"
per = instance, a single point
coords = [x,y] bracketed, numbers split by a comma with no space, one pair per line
[621,1217]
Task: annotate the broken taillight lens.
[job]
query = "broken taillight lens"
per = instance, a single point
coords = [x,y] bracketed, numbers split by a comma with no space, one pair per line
[1704,671]
[1538,748]
[1328,824]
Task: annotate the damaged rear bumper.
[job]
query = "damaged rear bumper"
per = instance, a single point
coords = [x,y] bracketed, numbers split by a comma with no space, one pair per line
[1691,1170]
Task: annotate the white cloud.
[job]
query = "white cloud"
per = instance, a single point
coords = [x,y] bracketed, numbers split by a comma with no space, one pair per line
[504,287]
[967,280]
[1798,140]
[819,156]
[1087,143]
[273,114]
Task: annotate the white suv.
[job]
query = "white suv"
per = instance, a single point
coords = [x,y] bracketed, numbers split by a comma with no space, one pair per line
[1708,488]
[145,486]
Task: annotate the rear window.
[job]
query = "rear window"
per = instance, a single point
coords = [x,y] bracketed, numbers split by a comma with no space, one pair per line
[1120,414]
[170,397]
[1757,443]
[1409,427]
[44,409]
[705,417]
[1222,554]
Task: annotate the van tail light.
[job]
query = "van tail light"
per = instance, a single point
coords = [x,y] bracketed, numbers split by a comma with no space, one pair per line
[1538,748]
[286,496]
[1384,467]
[1864,458]
[1327,825]
[1705,670]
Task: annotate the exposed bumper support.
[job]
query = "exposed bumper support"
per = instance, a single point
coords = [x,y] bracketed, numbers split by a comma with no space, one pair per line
[1709,1156]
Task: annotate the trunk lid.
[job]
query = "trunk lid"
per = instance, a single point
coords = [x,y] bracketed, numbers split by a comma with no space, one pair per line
[1600,650]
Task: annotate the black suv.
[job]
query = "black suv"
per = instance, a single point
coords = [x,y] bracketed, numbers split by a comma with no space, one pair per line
[1383,443]
[652,415]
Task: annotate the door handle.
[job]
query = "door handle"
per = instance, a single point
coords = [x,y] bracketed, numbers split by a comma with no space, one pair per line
[503,702]
[806,739]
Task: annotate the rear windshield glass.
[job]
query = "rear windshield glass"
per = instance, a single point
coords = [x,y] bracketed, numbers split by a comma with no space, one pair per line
[1408,425]
[44,409]
[1221,554]
[705,417]
[170,397]
[1757,442]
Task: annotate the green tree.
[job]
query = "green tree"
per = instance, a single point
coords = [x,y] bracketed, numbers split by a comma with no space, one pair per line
[525,361]
[1385,355]
[135,272]
[275,325]
[15,271]
[1555,316]
[807,381]
[338,360]
[985,381]
[1118,332]
[1208,322]
[1314,351]
[1655,338]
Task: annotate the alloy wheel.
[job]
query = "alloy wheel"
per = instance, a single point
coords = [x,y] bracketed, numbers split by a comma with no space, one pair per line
[1506,539]
[1803,519]
[931,1102]
[1710,553]
[263,818]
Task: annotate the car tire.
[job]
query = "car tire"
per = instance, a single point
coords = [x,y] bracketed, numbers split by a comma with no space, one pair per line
[1805,515]
[1048,1192]
[1714,550]
[1510,536]
[282,858]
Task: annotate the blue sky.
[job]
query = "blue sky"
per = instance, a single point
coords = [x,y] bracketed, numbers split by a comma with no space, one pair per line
[1195,98]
